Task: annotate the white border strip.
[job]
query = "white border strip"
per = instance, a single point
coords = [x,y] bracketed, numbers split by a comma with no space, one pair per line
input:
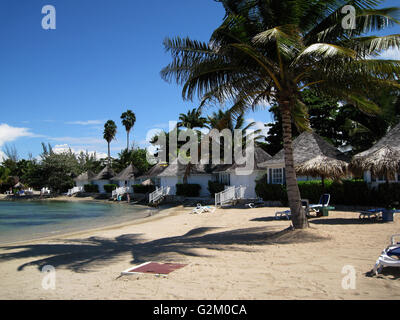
[127,272]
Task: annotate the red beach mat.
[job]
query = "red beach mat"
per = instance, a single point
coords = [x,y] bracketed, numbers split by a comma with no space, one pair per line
[154,268]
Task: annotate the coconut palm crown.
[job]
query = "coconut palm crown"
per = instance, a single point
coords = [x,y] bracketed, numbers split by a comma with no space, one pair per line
[270,50]
[128,121]
[110,130]
[192,119]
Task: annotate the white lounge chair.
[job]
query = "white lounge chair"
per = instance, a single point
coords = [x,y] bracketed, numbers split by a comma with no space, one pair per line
[259,202]
[201,209]
[323,202]
[390,257]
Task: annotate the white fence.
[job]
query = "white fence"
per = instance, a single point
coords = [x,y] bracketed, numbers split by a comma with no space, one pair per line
[74,190]
[120,191]
[158,194]
[230,194]
[45,191]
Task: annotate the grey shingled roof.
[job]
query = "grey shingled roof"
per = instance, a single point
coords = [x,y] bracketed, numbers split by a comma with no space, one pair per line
[128,173]
[392,140]
[154,171]
[105,174]
[86,176]
[178,169]
[260,156]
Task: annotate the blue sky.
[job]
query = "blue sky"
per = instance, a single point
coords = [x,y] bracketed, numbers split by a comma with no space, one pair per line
[60,86]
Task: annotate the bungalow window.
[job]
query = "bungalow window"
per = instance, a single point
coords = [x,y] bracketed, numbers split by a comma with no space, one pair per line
[225,178]
[277,176]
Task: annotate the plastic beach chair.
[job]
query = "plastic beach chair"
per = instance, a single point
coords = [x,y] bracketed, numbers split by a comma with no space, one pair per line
[258,203]
[323,202]
[390,257]
[373,213]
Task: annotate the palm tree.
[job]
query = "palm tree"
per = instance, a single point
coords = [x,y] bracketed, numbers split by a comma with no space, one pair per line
[128,121]
[110,130]
[192,119]
[269,51]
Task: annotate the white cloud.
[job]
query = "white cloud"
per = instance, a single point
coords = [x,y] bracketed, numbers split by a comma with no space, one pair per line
[86,123]
[259,126]
[61,148]
[9,133]
[391,54]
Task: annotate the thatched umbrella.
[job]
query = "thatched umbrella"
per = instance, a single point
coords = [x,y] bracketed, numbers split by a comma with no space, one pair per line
[383,158]
[323,166]
[384,161]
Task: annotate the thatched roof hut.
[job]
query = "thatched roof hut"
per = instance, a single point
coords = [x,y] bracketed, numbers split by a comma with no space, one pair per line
[129,173]
[307,146]
[383,158]
[105,174]
[86,176]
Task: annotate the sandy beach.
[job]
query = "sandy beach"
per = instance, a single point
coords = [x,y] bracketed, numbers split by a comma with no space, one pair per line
[230,254]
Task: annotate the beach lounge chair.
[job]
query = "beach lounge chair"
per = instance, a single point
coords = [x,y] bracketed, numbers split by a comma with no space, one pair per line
[390,257]
[201,209]
[258,203]
[372,214]
[287,213]
[323,202]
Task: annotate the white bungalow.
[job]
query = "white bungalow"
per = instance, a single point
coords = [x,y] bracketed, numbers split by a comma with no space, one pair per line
[230,175]
[306,146]
[235,175]
[104,177]
[126,178]
[174,173]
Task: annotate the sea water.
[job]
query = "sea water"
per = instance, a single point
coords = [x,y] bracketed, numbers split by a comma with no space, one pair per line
[25,220]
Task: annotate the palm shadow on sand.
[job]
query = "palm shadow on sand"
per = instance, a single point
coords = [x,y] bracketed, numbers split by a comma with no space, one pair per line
[84,255]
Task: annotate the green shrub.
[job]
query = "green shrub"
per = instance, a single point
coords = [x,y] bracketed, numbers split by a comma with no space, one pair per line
[110,187]
[139,188]
[215,187]
[345,192]
[91,188]
[188,190]
[271,192]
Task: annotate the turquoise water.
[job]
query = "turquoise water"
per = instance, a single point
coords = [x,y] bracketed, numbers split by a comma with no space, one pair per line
[24,220]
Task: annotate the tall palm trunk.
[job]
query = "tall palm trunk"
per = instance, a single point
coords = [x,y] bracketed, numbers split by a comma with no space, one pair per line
[127,140]
[109,155]
[299,219]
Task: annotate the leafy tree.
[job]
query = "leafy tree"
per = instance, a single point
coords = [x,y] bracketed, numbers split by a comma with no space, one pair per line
[128,121]
[110,130]
[272,50]
[137,157]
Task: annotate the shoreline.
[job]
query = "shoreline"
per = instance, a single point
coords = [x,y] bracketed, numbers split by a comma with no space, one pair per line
[125,221]
[164,213]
